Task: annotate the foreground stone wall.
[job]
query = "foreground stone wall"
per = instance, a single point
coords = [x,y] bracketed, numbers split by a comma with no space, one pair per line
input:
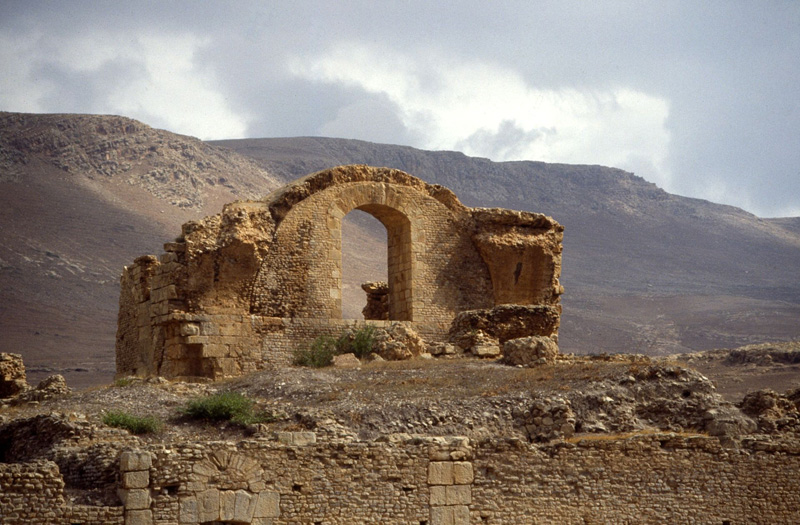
[238,291]
[656,478]
[33,494]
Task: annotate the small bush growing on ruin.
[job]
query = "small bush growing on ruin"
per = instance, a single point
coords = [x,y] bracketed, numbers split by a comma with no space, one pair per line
[131,423]
[123,382]
[359,342]
[325,347]
[319,354]
[226,406]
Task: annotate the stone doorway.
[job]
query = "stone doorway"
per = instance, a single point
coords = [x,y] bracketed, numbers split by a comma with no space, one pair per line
[364,260]
[399,259]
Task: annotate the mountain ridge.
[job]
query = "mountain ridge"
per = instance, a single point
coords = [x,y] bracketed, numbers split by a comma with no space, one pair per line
[645,271]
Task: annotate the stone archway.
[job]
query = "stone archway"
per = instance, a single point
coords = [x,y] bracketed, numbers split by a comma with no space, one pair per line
[400,252]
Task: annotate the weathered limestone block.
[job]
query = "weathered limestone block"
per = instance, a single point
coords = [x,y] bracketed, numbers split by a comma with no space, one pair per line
[135,460]
[440,473]
[230,502]
[12,375]
[506,322]
[244,506]
[463,473]
[441,349]
[460,515]
[135,480]
[135,499]
[450,515]
[268,505]
[458,495]
[189,512]
[479,344]
[450,448]
[346,361]
[398,342]
[393,351]
[139,517]
[227,500]
[531,350]
[208,505]
[297,438]
[188,329]
[438,495]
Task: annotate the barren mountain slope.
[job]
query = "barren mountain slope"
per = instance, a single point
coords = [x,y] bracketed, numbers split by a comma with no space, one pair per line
[83,195]
[80,197]
[644,270]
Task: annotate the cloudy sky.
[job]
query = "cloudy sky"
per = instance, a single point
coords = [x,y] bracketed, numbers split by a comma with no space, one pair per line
[700,97]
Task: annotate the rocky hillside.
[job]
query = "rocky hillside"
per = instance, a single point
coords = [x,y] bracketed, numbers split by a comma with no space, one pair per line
[81,196]
[645,271]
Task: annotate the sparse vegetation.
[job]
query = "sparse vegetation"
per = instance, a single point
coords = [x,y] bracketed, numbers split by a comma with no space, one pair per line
[324,348]
[358,342]
[318,355]
[131,423]
[226,406]
[123,382]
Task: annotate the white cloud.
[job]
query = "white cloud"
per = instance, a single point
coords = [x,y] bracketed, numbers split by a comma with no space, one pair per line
[160,83]
[18,91]
[175,91]
[486,110]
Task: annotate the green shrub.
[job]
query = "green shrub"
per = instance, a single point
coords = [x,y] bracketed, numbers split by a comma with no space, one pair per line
[324,348]
[227,406]
[319,354]
[359,342]
[131,423]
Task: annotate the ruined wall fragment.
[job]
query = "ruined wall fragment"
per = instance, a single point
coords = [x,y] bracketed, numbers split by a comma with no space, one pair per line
[239,291]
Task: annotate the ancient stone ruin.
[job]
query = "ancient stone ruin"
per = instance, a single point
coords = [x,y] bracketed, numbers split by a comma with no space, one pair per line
[239,291]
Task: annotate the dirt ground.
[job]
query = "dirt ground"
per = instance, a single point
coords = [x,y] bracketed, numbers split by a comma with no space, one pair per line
[472,397]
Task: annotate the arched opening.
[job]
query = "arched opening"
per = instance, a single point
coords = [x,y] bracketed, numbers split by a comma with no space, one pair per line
[364,259]
[398,261]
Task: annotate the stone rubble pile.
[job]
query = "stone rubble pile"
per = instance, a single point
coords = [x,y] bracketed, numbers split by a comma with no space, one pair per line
[14,387]
[773,412]
[398,342]
[547,419]
[528,351]
[12,375]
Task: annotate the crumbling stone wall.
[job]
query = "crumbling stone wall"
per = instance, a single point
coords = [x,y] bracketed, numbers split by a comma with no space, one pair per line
[658,478]
[238,291]
[31,493]
[642,478]
[12,375]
